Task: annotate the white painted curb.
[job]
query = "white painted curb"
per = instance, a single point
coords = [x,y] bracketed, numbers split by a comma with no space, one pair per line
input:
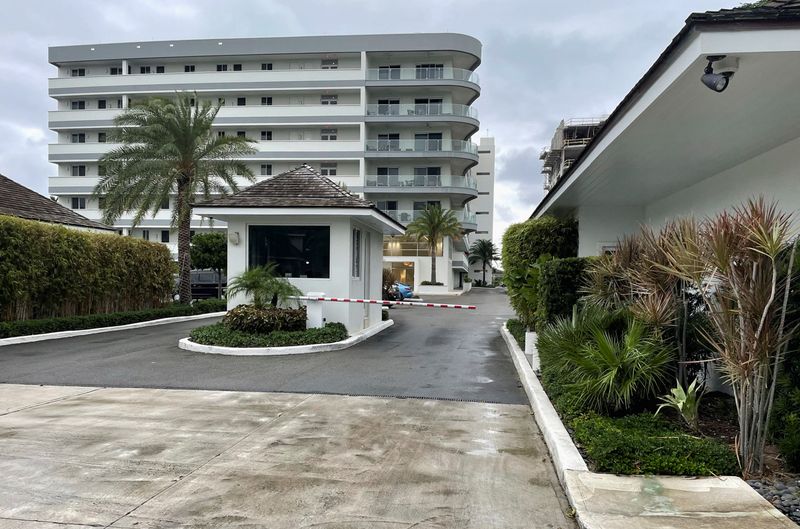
[565,454]
[97,330]
[359,337]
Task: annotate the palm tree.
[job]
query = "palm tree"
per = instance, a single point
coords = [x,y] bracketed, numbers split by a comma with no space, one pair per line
[262,283]
[483,251]
[168,147]
[432,225]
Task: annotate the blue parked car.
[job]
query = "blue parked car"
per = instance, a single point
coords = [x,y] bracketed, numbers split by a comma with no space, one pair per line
[404,290]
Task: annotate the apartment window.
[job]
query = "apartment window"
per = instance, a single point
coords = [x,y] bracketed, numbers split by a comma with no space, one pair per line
[220,134]
[356,259]
[329,99]
[79,137]
[481,212]
[428,176]
[330,64]
[241,134]
[391,71]
[266,100]
[221,101]
[426,106]
[78,105]
[479,233]
[144,69]
[328,134]
[387,205]
[164,235]
[78,202]
[298,251]
[159,69]
[101,170]
[222,67]
[146,235]
[237,67]
[428,141]
[389,142]
[327,169]
[119,103]
[425,204]
[266,169]
[241,101]
[188,68]
[388,176]
[116,70]
[388,107]
[483,192]
[101,104]
[78,170]
[78,72]
[266,135]
[165,203]
[430,71]
[266,66]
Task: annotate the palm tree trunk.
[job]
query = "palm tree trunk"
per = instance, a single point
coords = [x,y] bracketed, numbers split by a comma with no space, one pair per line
[184,241]
[433,263]
[484,273]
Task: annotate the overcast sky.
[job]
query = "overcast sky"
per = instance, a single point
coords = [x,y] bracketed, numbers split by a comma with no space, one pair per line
[542,60]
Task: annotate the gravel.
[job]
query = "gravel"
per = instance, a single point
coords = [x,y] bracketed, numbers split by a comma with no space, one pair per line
[784,495]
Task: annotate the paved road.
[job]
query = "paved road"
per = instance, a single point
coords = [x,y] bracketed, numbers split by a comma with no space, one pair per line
[431,353]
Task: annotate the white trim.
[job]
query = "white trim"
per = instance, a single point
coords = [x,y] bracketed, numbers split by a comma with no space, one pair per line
[358,337]
[97,330]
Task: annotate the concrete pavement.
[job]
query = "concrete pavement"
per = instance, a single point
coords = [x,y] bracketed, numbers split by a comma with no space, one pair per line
[146,458]
[432,353]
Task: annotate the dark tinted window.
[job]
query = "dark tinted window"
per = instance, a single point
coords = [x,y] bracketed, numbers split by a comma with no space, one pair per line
[299,251]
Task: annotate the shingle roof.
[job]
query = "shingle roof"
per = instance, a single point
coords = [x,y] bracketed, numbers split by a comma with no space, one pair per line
[17,200]
[302,187]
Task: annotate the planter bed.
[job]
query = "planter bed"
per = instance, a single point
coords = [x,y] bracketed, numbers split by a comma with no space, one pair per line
[221,335]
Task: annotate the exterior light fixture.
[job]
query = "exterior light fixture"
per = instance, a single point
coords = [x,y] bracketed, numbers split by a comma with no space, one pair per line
[233,237]
[719,81]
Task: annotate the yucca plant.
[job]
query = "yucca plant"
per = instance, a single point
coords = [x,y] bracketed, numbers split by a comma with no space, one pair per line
[684,401]
[263,286]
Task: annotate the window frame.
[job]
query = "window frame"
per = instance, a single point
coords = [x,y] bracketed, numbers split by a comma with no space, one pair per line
[321,228]
[329,134]
[355,254]
[78,203]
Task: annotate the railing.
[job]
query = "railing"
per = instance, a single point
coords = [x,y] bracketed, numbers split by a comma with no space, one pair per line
[383,145]
[402,248]
[421,74]
[136,73]
[421,181]
[574,122]
[428,109]
[408,215]
[576,142]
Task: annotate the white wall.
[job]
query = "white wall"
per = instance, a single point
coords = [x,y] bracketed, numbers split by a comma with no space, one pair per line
[600,226]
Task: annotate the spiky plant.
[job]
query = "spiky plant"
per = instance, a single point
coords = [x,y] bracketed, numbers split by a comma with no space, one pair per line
[684,401]
[167,147]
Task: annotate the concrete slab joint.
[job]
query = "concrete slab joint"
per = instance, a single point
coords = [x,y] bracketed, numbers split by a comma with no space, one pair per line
[606,501]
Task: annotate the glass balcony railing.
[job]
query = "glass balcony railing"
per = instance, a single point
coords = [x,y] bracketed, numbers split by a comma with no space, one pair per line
[421,110]
[408,215]
[426,180]
[423,73]
[426,145]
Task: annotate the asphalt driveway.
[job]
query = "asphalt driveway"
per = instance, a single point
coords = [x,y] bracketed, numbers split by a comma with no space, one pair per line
[429,353]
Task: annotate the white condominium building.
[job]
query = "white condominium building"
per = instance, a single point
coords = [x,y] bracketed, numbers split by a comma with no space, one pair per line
[483,205]
[389,116]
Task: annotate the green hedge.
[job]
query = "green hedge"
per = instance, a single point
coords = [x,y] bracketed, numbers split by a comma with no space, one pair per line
[247,318]
[49,271]
[517,330]
[9,329]
[644,444]
[222,335]
[560,282]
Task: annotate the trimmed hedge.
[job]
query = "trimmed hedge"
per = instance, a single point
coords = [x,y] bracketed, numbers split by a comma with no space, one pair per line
[222,335]
[247,318]
[49,271]
[517,330]
[10,329]
[644,444]
[560,281]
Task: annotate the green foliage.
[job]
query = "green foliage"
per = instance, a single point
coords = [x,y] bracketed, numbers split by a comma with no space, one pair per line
[685,401]
[222,335]
[51,271]
[209,250]
[168,148]
[9,329]
[251,319]
[644,444]
[432,226]
[526,246]
[263,285]
[560,283]
[789,442]
[517,330]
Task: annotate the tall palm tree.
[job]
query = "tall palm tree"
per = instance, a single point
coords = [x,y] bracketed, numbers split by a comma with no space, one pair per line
[431,226]
[485,252]
[167,146]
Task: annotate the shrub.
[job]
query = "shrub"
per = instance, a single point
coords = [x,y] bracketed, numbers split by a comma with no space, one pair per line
[560,282]
[644,444]
[468,279]
[27,327]
[436,283]
[49,271]
[222,335]
[517,330]
[252,319]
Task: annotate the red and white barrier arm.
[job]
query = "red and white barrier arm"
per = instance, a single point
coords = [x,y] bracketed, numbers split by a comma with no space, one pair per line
[387,302]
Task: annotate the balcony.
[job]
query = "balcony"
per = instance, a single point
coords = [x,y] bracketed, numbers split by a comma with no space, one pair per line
[425,181]
[405,216]
[424,111]
[422,146]
[422,75]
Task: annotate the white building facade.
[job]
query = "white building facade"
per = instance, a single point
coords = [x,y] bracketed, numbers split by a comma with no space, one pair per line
[388,116]
[483,206]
